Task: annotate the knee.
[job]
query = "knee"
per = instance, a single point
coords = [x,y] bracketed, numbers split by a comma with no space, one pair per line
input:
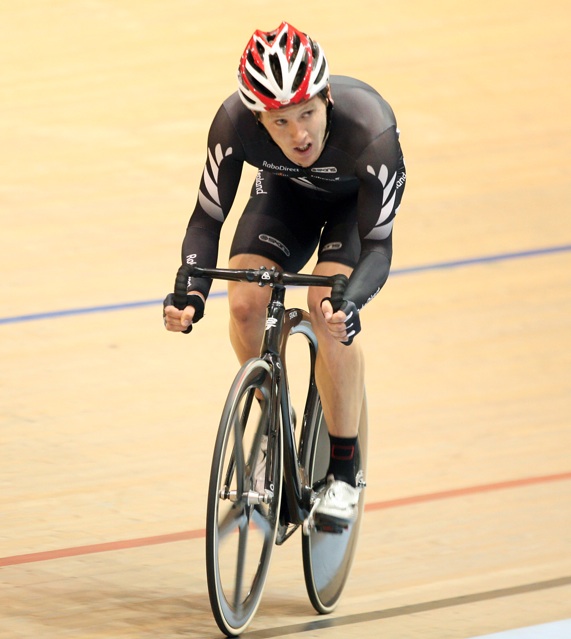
[246,308]
[314,298]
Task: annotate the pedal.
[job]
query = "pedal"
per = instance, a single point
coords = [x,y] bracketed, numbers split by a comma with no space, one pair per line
[331,528]
[324,526]
[309,523]
[328,527]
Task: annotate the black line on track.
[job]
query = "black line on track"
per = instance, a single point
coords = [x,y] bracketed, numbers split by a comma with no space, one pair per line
[348,620]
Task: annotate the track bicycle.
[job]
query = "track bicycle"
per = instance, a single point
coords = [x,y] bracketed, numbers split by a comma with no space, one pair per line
[265,476]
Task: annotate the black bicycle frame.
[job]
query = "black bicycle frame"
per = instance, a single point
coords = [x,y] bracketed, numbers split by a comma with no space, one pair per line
[297,492]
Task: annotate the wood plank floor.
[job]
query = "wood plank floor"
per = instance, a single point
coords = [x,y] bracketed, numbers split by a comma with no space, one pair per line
[107,422]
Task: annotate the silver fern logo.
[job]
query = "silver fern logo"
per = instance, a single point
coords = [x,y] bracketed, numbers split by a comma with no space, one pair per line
[210,201]
[384,225]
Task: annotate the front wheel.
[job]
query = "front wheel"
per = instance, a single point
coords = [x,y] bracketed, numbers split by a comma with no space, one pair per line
[242,514]
[328,556]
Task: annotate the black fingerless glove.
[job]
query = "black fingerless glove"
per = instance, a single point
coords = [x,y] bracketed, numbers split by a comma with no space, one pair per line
[191,300]
[352,323]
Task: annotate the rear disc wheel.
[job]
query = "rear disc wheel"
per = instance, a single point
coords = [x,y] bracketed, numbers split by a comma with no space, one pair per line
[328,556]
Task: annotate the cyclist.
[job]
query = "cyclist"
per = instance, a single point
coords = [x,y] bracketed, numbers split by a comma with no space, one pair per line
[330,177]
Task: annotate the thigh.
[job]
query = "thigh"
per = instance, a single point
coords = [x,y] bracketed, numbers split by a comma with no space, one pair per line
[340,241]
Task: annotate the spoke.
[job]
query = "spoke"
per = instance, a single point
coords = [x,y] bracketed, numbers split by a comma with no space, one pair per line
[262,523]
[231,521]
[239,452]
[241,562]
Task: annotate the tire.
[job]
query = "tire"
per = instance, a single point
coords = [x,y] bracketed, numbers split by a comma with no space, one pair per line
[328,556]
[240,533]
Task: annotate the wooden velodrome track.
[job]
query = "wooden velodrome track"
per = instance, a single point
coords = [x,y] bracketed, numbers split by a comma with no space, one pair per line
[108,421]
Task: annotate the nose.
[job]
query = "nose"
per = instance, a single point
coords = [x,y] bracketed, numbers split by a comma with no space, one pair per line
[298,132]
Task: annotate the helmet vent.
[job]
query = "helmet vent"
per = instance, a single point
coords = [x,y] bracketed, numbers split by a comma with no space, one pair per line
[299,76]
[322,72]
[276,69]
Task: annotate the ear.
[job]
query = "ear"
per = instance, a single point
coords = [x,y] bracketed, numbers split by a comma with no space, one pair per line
[258,116]
[329,96]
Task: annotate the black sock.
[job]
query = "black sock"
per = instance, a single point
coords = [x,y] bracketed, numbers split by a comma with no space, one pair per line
[342,461]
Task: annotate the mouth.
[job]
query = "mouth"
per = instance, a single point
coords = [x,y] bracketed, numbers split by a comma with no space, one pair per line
[303,149]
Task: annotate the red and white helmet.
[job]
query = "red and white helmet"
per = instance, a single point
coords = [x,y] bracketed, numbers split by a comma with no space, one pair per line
[279,68]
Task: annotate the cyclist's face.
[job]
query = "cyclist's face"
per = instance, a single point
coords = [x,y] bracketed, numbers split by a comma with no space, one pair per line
[299,130]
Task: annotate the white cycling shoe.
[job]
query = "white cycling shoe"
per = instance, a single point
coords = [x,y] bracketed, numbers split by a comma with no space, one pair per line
[336,503]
